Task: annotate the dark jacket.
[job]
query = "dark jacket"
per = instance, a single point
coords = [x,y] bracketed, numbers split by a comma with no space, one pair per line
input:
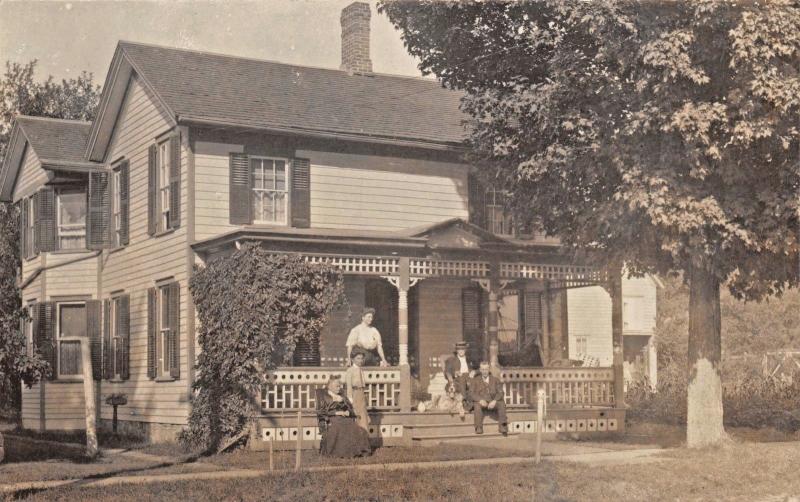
[452,366]
[480,390]
[327,408]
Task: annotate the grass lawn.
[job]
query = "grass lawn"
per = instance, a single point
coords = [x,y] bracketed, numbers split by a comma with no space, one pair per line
[739,471]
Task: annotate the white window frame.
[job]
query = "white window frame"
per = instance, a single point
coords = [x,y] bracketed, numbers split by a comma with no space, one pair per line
[116,203]
[75,227]
[28,329]
[30,228]
[58,336]
[114,337]
[581,346]
[494,205]
[163,348]
[163,161]
[285,191]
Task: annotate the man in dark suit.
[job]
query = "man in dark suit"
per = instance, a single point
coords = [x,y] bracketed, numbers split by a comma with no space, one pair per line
[457,369]
[486,394]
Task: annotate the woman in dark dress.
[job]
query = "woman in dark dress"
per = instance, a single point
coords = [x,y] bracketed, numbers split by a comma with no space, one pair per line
[341,435]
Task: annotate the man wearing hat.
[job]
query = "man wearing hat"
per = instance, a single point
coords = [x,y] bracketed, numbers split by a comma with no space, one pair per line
[366,338]
[457,368]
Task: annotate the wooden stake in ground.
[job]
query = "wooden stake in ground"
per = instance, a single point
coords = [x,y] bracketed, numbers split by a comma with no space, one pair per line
[271,450]
[299,440]
[540,423]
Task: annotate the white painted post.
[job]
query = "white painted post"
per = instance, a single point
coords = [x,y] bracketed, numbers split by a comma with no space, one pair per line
[271,452]
[88,392]
[297,454]
[540,412]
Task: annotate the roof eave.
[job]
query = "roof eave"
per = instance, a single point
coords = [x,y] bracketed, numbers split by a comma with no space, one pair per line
[72,165]
[11,163]
[192,120]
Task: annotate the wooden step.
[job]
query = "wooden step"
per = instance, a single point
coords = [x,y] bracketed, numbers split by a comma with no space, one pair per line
[444,438]
[435,430]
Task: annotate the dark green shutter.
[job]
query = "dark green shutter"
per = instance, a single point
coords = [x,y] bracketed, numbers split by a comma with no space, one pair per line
[239,190]
[124,331]
[124,203]
[44,334]
[98,215]
[46,219]
[94,332]
[532,319]
[175,181]
[152,312]
[108,352]
[300,196]
[477,201]
[174,317]
[472,322]
[22,219]
[152,190]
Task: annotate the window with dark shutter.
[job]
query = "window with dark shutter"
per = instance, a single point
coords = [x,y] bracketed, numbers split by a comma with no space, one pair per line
[472,321]
[123,336]
[300,196]
[94,333]
[22,220]
[46,220]
[152,312]
[477,201]
[175,182]
[124,204]
[98,234]
[239,191]
[44,334]
[152,191]
[534,325]
[174,330]
[108,349]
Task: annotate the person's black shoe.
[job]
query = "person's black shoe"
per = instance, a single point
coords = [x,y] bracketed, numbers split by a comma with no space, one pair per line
[504,430]
[478,430]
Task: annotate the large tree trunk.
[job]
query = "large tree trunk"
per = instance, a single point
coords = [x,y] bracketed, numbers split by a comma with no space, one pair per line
[704,414]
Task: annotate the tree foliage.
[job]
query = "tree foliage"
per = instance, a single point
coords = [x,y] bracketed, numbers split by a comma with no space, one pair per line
[21,93]
[662,135]
[659,134]
[253,307]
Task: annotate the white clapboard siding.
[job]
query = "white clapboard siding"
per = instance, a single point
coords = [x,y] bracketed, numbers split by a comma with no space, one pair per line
[30,397]
[589,311]
[145,260]
[63,404]
[359,192]
[71,279]
[31,176]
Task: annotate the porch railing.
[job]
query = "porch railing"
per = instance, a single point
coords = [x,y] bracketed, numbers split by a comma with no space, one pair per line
[564,387]
[295,388]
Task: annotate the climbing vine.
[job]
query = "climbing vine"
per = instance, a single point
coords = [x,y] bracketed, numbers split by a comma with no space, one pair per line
[253,308]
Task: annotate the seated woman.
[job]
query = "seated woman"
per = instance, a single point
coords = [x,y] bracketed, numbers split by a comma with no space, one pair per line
[341,435]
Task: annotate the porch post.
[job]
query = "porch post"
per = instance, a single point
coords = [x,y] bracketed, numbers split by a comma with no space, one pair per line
[615,280]
[494,272]
[403,284]
[546,323]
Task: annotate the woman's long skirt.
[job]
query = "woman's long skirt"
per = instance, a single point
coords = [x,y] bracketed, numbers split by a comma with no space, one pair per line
[344,439]
[360,407]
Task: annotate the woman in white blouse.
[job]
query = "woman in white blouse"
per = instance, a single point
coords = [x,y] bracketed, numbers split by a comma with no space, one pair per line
[366,338]
[354,380]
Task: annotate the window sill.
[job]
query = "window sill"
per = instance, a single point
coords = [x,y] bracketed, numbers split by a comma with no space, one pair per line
[165,379]
[72,251]
[66,380]
[162,233]
[115,380]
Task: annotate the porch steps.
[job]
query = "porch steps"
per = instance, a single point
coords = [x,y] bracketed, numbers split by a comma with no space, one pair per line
[444,438]
[442,432]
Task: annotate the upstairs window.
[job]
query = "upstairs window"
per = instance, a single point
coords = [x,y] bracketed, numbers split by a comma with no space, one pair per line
[116,208]
[163,184]
[270,191]
[71,219]
[498,219]
[29,228]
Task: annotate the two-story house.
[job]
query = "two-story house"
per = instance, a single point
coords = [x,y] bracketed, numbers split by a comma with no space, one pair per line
[193,154]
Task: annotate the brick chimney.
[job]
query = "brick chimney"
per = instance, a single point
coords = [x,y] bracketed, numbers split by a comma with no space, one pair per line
[355,38]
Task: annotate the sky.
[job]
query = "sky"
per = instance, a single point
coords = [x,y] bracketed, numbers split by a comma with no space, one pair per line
[68,37]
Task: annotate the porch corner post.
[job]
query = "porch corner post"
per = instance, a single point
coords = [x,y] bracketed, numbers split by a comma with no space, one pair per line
[615,286]
[494,283]
[403,285]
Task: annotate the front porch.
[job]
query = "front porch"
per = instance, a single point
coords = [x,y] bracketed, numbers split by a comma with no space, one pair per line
[430,289]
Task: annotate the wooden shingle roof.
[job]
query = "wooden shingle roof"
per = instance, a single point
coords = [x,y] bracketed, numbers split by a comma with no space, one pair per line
[56,139]
[245,92]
